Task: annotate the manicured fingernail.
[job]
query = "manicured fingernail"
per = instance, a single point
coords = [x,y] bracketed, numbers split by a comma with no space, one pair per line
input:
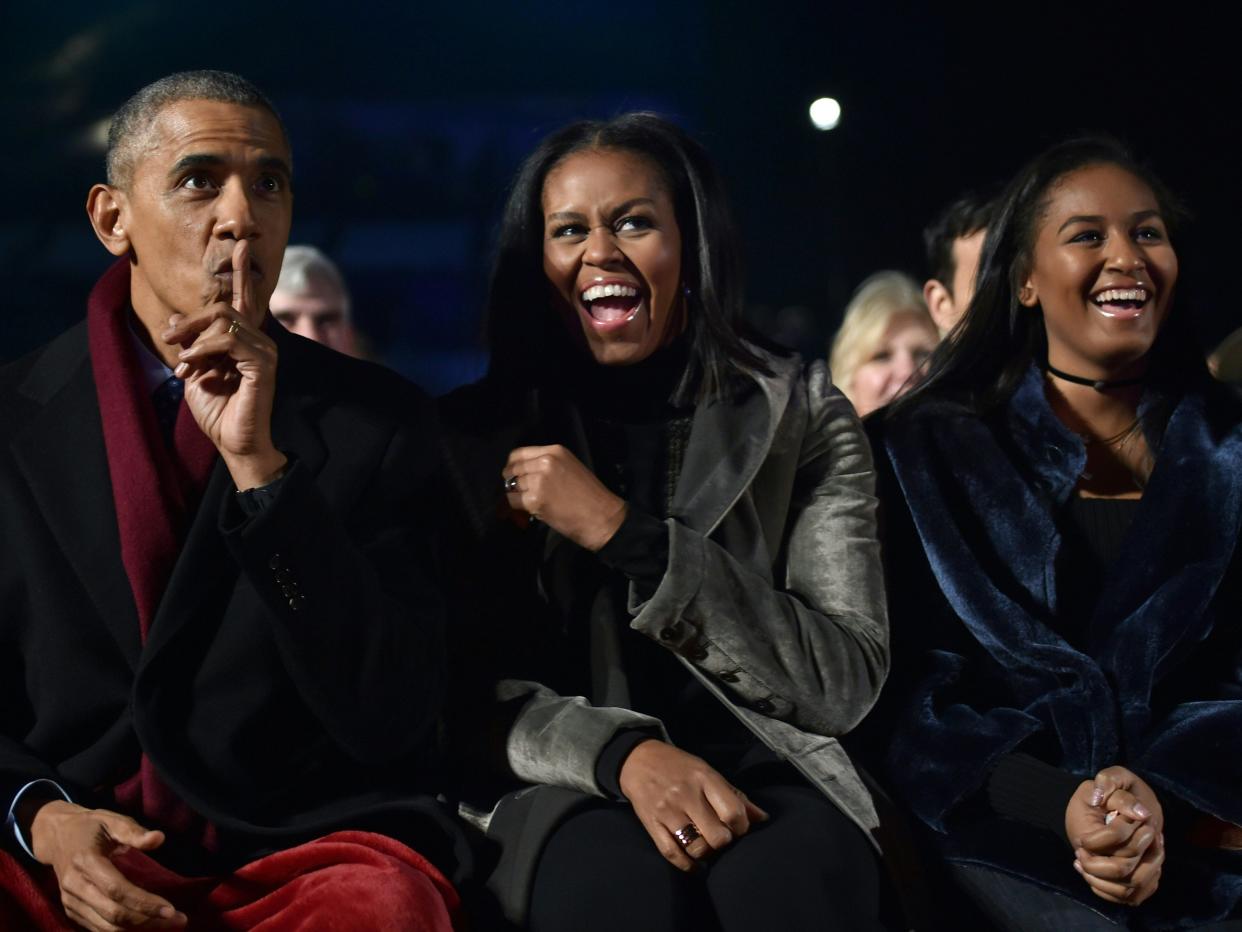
[1077,866]
[181,370]
[1097,797]
[1141,811]
[167,912]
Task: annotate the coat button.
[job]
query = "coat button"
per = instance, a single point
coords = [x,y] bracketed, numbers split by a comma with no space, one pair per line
[274,562]
[293,604]
[670,632]
[697,653]
[765,706]
[729,676]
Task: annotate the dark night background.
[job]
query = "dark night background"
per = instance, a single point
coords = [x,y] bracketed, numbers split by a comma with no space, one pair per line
[408,121]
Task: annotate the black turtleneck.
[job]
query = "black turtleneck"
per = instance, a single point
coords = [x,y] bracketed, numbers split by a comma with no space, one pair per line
[637,437]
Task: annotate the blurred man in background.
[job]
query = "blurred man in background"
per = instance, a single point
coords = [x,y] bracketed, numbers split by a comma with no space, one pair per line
[312,301]
[954,241]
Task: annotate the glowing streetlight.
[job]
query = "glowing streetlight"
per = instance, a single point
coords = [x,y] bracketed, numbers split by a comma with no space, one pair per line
[825,113]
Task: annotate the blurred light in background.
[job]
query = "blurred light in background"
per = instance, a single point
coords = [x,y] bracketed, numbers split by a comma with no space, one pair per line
[825,113]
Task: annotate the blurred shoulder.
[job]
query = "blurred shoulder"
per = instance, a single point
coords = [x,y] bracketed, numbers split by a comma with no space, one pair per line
[321,375]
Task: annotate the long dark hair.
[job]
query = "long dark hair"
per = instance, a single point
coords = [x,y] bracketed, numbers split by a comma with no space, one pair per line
[525,335]
[992,347]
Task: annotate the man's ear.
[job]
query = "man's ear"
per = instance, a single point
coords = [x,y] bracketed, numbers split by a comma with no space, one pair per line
[108,211]
[939,305]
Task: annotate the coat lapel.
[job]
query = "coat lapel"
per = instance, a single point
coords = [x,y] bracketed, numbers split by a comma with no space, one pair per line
[728,443]
[61,454]
[983,513]
[1155,604]
[205,574]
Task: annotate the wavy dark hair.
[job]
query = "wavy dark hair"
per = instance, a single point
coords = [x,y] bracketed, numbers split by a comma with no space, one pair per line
[525,335]
[987,354]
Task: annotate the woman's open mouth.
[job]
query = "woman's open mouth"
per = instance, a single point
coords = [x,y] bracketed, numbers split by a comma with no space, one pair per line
[611,305]
[1122,303]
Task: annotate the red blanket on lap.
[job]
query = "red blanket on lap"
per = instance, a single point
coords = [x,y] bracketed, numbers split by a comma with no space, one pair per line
[345,881]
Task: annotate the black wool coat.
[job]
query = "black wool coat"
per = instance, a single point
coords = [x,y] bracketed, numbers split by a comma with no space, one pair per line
[277,719]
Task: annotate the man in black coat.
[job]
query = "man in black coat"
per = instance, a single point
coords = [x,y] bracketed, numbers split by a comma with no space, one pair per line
[219,636]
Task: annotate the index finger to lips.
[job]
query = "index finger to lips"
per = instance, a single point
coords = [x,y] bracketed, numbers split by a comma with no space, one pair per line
[241,276]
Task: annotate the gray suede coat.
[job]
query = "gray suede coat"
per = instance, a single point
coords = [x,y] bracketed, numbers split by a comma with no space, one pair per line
[773,597]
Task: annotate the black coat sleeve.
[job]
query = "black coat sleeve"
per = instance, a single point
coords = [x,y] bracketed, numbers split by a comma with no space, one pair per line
[355,609]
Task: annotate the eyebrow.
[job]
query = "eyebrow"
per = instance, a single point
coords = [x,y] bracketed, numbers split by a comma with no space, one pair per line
[619,209]
[1096,218]
[210,160]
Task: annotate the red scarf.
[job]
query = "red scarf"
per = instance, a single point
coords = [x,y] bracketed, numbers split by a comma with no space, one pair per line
[156,492]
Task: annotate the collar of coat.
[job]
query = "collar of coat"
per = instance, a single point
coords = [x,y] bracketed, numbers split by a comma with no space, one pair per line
[982,493]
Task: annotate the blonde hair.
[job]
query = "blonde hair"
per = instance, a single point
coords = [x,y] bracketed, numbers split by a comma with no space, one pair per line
[871,310]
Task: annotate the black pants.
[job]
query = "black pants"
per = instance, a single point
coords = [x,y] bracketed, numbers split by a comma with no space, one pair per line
[808,867]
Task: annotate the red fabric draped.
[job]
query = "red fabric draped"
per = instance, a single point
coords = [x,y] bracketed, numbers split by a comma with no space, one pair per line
[156,492]
[344,881]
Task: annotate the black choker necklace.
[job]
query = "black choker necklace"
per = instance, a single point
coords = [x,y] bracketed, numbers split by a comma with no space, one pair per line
[1098,384]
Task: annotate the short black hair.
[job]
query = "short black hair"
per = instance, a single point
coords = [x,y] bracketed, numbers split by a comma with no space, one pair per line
[136,115]
[966,216]
[999,338]
[525,334]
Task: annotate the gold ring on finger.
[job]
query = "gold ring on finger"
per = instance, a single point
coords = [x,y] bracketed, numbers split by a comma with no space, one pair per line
[234,326]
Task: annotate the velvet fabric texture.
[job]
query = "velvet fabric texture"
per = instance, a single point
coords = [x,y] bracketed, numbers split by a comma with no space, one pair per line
[156,492]
[343,881]
[971,538]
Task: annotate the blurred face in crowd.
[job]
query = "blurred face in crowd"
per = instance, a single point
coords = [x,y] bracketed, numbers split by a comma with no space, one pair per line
[1103,272]
[612,253]
[319,314]
[894,363]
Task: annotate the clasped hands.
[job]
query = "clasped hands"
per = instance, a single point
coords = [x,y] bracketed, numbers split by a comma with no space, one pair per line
[229,367]
[1116,827]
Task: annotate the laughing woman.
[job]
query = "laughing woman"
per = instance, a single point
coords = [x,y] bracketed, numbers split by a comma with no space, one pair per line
[1063,498]
[677,525]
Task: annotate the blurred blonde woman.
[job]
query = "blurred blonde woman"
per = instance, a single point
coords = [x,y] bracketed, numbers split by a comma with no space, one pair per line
[885,337]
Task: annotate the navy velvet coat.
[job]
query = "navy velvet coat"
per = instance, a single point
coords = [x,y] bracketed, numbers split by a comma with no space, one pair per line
[971,509]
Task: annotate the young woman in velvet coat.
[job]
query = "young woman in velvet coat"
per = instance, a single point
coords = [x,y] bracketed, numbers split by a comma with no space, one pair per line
[1062,501]
[677,525]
